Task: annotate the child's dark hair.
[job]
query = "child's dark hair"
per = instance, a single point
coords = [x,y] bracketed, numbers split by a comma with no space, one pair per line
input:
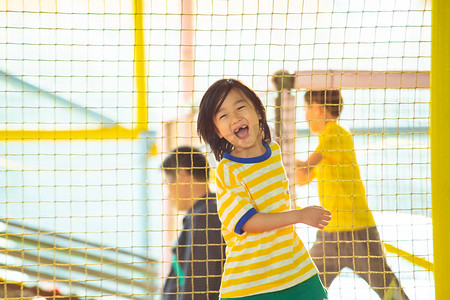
[189,159]
[212,101]
[331,99]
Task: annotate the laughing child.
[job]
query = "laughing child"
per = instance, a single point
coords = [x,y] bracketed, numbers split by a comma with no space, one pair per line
[265,257]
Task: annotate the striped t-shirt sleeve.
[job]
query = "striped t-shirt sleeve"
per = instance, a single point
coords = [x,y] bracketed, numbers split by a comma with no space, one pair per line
[233,203]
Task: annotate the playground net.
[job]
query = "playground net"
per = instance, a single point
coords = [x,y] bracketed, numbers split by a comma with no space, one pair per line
[95,94]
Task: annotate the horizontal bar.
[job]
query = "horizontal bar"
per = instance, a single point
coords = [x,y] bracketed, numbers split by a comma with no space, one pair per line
[116,132]
[84,285]
[354,79]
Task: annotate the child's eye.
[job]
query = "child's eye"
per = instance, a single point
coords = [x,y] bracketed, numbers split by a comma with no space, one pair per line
[222,116]
[241,107]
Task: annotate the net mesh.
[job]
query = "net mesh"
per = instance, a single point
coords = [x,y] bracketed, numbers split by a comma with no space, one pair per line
[94,96]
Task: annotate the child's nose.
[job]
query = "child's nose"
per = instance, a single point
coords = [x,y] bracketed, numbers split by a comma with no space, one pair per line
[235,118]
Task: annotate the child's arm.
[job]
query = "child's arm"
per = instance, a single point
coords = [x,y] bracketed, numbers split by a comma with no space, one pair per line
[304,169]
[315,216]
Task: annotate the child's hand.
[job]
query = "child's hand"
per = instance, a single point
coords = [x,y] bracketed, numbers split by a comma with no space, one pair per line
[315,216]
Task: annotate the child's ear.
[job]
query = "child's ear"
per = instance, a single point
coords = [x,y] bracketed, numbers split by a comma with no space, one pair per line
[218,132]
[183,176]
[321,108]
[317,106]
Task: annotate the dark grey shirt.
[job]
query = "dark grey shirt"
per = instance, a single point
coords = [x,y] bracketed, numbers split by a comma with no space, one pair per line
[199,255]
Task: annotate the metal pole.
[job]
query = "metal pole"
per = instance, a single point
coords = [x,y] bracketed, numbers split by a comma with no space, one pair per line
[440,144]
[285,125]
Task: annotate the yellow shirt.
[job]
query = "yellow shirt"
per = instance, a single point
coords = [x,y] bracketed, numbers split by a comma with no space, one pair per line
[260,262]
[339,181]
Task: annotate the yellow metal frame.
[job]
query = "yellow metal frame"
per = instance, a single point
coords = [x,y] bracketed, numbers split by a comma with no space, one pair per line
[414,259]
[139,100]
[440,144]
[439,135]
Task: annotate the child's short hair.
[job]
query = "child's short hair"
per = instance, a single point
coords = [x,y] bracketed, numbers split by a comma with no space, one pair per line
[189,159]
[212,101]
[331,99]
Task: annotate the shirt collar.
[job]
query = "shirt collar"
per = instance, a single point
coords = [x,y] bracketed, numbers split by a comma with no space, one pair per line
[250,160]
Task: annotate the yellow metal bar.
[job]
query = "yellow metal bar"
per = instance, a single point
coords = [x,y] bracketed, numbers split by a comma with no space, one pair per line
[140,77]
[139,100]
[116,132]
[440,144]
[416,260]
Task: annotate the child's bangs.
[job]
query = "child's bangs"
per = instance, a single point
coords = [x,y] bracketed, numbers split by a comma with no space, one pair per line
[224,95]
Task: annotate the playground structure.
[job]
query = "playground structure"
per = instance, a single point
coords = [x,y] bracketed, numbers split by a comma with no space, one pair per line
[181,131]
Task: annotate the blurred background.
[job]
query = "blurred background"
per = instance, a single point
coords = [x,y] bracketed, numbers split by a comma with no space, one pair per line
[94,93]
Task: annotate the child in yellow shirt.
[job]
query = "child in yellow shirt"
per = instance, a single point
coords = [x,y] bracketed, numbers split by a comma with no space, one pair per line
[266,259]
[351,238]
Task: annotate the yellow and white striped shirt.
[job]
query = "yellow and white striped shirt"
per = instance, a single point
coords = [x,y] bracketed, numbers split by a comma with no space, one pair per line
[262,262]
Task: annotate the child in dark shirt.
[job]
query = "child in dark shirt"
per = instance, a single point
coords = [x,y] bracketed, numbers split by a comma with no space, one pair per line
[199,254]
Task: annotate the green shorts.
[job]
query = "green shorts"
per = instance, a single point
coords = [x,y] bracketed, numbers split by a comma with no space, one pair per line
[311,289]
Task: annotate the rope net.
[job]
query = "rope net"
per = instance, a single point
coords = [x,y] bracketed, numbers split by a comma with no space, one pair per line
[96,95]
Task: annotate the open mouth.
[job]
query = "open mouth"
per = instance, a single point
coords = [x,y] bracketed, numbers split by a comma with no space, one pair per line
[241,132]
